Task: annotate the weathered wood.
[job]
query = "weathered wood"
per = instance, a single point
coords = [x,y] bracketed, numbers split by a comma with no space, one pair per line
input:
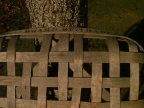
[96,84]
[55,48]
[78,69]
[102,57]
[11,71]
[134,74]
[63,68]
[26,81]
[66,104]
[43,69]
[72,82]
[114,71]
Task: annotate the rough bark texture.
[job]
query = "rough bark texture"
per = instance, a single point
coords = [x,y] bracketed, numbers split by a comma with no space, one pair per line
[54,13]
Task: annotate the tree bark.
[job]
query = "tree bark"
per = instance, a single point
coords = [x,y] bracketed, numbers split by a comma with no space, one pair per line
[54,13]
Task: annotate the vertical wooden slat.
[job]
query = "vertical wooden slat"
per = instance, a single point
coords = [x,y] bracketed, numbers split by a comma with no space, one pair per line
[96,82]
[114,70]
[43,69]
[63,68]
[26,80]
[134,74]
[11,72]
[78,67]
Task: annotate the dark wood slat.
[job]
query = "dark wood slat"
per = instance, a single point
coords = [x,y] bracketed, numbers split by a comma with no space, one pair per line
[1,39]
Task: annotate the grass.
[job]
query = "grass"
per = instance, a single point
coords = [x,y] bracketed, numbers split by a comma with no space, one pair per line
[115,16]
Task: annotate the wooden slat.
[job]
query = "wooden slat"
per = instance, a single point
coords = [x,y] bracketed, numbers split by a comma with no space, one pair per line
[72,82]
[78,68]
[43,69]
[114,69]
[102,57]
[20,103]
[134,74]
[63,68]
[55,45]
[26,81]
[96,83]
[11,71]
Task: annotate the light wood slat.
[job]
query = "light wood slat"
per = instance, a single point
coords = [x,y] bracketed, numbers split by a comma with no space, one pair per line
[43,69]
[124,104]
[24,90]
[134,74]
[11,71]
[114,71]
[11,56]
[102,57]
[72,82]
[63,68]
[20,103]
[78,69]
[96,83]
[26,80]
[43,55]
[55,46]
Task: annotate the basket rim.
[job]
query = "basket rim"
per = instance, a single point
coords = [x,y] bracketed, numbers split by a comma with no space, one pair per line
[66,30]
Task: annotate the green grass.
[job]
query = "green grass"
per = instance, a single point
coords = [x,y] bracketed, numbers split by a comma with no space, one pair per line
[115,16]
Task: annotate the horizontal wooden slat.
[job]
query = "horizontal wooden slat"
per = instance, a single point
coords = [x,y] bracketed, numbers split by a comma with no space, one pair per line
[95,57]
[20,103]
[72,82]
[10,80]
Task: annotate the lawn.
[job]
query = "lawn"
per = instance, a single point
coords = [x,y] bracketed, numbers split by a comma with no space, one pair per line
[115,16]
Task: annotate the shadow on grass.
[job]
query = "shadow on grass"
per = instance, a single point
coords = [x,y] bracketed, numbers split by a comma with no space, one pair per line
[136,32]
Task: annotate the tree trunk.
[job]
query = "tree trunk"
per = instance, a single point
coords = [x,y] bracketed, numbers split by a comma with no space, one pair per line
[54,13]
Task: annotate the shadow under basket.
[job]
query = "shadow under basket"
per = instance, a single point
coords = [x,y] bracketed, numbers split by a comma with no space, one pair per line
[70,68]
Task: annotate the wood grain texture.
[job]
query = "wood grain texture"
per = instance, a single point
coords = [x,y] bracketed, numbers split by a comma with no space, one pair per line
[96,83]
[72,82]
[43,69]
[11,71]
[26,81]
[21,103]
[114,71]
[102,57]
[63,68]
[78,69]
[134,74]
[60,53]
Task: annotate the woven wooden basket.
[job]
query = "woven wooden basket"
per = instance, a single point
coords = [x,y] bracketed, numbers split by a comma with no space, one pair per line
[66,63]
